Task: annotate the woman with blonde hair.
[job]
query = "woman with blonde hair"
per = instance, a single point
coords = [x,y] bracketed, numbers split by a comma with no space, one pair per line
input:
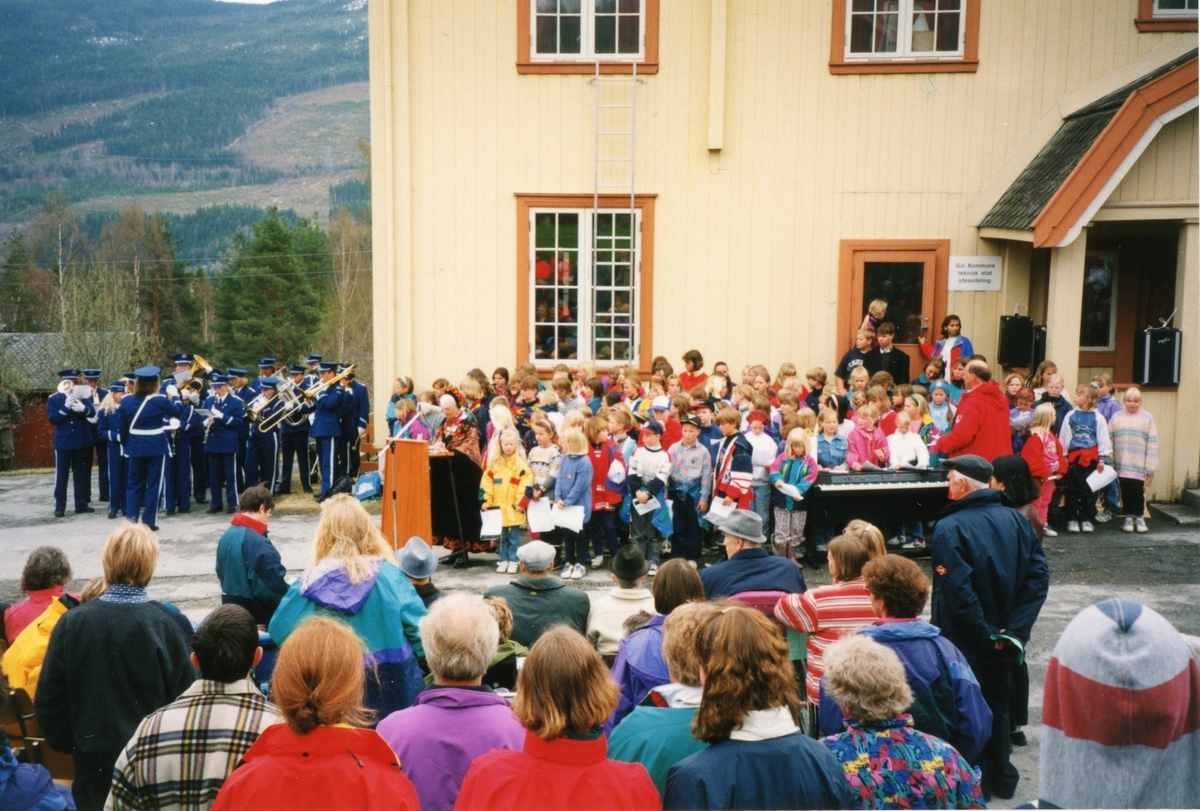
[757,755]
[353,576]
[564,694]
[321,757]
[110,663]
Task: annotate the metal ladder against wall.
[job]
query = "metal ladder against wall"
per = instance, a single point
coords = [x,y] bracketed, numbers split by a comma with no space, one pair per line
[610,151]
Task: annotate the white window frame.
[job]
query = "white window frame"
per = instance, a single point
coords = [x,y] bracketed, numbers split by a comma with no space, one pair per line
[904,52]
[1172,13]
[587,37]
[585,271]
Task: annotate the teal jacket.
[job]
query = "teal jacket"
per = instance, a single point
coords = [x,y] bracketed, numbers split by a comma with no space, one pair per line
[657,738]
[250,570]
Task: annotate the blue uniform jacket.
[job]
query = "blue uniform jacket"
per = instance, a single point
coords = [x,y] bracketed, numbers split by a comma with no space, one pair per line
[989,572]
[947,702]
[348,417]
[328,408]
[245,394]
[223,435]
[792,771]
[109,426]
[298,425]
[362,405]
[190,424]
[751,570]
[72,430]
[147,436]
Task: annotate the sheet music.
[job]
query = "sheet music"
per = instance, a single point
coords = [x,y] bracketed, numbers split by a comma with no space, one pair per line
[650,506]
[718,512]
[568,518]
[538,515]
[493,523]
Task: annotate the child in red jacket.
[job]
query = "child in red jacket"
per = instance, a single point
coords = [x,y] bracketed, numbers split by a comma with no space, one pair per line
[607,479]
[1043,453]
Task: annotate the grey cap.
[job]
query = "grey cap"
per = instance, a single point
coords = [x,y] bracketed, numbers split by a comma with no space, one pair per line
[538,556]
[417,559]
[971,466]
[744,524]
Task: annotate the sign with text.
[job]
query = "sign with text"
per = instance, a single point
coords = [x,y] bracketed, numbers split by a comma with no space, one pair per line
[974,273]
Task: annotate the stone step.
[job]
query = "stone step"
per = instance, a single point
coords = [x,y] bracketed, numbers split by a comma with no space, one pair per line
[1191,498]
[1181,514]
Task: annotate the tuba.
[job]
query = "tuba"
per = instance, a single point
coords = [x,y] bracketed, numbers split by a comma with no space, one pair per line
[187,381]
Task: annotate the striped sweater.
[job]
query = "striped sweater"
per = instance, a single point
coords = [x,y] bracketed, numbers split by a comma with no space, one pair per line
[826,614]
[1135,444]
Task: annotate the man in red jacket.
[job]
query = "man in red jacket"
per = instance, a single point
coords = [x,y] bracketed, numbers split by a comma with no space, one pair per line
[981,425]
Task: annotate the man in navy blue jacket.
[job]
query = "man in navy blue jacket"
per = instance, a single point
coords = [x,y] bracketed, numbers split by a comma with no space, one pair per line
[73,443]
[326,427]
[749,567]
[362,413]
[989,582]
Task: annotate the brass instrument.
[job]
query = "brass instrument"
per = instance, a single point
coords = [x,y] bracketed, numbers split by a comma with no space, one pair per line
[65,386]
[291,401]
[255,407]
[187,381]
[333,381]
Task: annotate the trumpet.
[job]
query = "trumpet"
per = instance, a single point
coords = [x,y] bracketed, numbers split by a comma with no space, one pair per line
[187,381]
[308,394]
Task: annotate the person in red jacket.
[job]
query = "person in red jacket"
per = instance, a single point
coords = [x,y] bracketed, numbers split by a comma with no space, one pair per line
[981,424]
[564,695]
[321,758]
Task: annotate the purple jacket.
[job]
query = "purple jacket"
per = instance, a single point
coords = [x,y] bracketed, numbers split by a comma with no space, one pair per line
[638,668]
[438,737]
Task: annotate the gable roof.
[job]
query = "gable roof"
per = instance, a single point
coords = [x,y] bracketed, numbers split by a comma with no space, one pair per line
[30,361]
[1090,153]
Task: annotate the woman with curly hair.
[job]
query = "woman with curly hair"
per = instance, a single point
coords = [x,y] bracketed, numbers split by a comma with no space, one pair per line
[44,579]
[757,755]
[459,431]
[321,757]
[353,576]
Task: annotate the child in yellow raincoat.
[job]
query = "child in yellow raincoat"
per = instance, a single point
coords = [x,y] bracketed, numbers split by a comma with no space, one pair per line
[504,483]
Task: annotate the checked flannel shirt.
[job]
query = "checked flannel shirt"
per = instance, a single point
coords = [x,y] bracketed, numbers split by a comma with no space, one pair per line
[180,756]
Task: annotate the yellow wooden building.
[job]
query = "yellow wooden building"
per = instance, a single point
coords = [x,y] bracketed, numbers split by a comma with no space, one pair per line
[790,160]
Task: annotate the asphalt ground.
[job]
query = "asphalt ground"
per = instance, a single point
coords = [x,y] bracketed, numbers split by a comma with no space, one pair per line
[1160,569]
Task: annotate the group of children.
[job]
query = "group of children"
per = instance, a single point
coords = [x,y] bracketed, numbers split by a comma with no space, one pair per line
[646,463]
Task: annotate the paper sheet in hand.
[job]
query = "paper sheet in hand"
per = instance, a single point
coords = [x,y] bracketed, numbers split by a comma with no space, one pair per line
[493,523]
[790,490]
[538,516]
[1099,479]
[568,518]
[650,506]
[718,512]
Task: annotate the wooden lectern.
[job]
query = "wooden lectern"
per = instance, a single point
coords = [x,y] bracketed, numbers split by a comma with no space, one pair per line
[406,499]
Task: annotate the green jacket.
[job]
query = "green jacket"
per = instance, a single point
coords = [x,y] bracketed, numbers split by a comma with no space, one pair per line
[10,409]
[657,738]
[539,602]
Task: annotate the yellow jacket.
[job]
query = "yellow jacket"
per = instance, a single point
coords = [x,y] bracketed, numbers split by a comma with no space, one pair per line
[23,660]
[504,482]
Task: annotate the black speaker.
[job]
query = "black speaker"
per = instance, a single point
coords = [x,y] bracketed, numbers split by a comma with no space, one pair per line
[1039,346]
[1016,341]
[1156,357]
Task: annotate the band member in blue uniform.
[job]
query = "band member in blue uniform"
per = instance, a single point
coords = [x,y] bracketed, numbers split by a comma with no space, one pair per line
[92,378]
[193,434]
[266,442]
[255,474]
[226,415]
[362,414]
[326,427]
[179,463]
[109,424]
[348,423]
[73,442]
[239,388]
[313,376]
[294,440]
[144,418]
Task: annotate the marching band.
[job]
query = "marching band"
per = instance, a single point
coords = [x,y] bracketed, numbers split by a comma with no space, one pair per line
[202,436]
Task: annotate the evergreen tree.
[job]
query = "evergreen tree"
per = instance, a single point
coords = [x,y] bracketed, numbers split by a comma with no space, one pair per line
[20,303]
[267,300]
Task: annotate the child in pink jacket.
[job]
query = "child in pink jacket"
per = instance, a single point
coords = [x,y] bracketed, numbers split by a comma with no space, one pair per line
[867,444]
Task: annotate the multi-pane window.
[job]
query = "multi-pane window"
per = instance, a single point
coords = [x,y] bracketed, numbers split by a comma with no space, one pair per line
[1175,8]
[586,30]
[584,274]
[904,29]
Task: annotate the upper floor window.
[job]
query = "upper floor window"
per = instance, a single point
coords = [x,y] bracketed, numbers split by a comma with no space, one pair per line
[587,29]
[905,36]
[1166,15]
[570,36]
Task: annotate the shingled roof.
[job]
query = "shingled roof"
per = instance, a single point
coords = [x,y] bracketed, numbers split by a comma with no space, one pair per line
[1029,194]
[30,361]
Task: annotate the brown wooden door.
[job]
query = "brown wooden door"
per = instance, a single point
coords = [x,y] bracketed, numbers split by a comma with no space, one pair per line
[910,275]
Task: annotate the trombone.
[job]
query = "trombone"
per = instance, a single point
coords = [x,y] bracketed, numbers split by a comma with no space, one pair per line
[187,381]
[308,394]
[291,400]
